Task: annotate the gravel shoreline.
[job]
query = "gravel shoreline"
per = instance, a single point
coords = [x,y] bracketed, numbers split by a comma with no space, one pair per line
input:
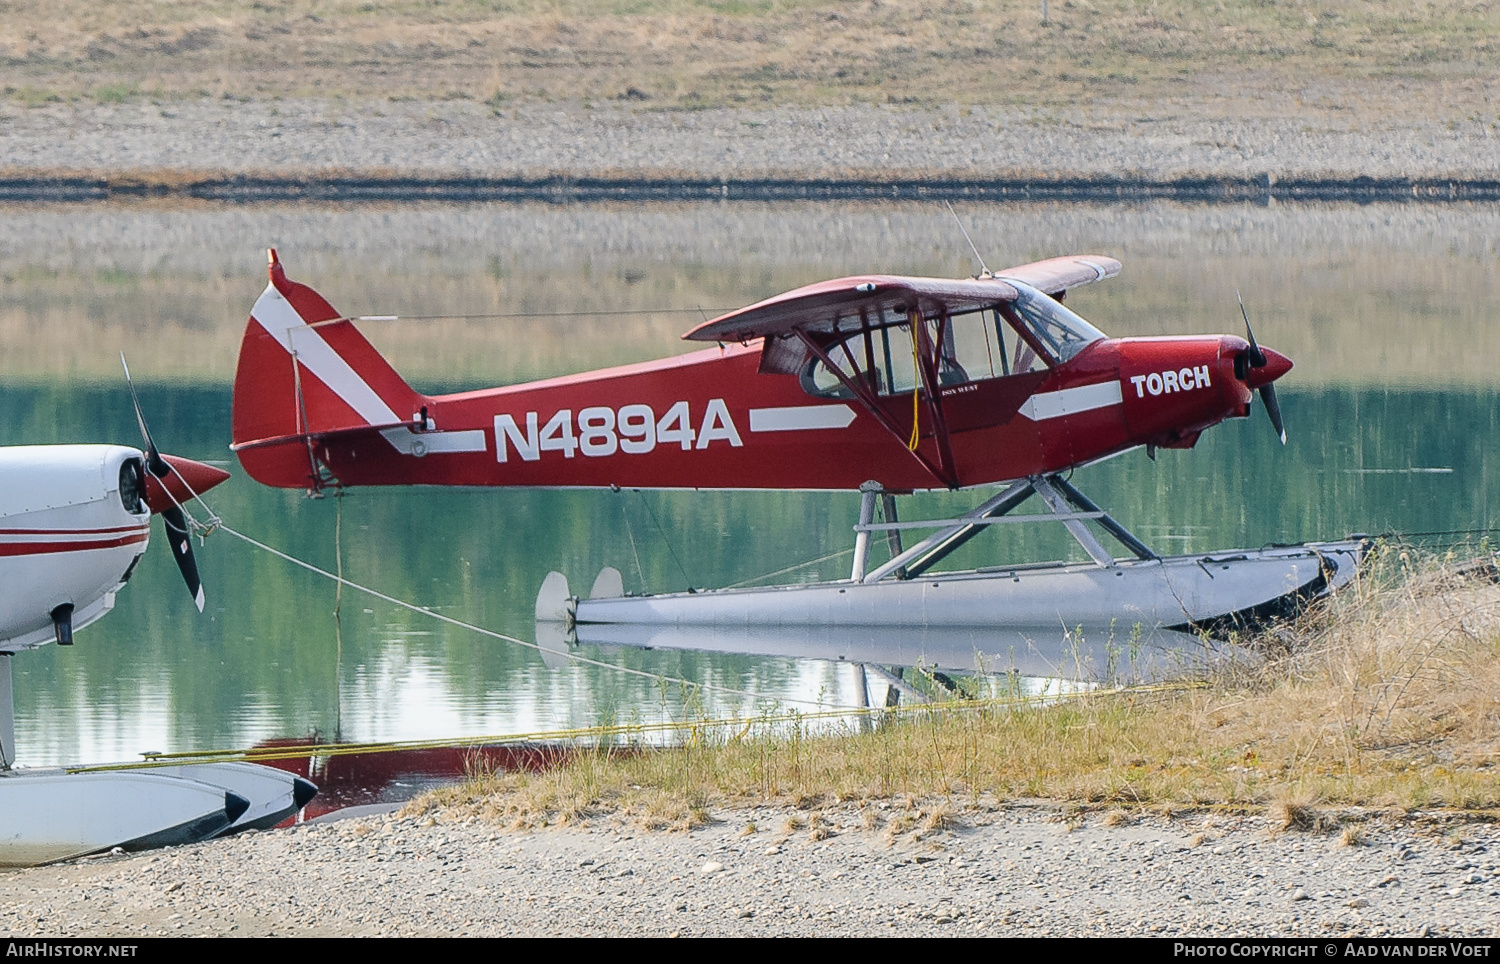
[463,138]
[1027,869]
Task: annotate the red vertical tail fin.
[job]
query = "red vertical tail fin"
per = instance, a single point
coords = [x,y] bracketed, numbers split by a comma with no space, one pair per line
[305,372]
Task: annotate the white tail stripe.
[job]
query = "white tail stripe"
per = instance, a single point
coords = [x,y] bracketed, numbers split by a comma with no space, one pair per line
[408,442]
[1071,401]
[800,417]
[277,316]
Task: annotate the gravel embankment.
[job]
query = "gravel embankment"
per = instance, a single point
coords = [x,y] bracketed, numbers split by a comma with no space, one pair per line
[463,138]
[1021,870]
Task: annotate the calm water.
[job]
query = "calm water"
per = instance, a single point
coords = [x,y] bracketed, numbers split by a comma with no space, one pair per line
[1387,312]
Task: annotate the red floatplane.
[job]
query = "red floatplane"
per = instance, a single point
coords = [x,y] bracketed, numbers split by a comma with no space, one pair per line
[878,383]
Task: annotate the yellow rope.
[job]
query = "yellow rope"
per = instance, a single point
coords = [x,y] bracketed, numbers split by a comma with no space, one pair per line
[916,385]
[594,733]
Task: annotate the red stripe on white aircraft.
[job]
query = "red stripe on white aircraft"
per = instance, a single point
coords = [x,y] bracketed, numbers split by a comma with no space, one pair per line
[9,548]
[71,532]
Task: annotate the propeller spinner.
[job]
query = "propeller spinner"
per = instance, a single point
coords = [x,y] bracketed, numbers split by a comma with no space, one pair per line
[170,483]
[1261,367]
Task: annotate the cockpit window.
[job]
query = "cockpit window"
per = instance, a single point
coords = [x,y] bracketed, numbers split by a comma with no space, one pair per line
[1030,334]
[880,357]
[1060,331]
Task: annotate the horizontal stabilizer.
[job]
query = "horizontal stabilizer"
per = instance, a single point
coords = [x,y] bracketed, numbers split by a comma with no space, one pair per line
[300,439]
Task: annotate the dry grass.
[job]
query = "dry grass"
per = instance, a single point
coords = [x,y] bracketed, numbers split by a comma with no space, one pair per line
[1388,697]
[1258,56]
[1297,812]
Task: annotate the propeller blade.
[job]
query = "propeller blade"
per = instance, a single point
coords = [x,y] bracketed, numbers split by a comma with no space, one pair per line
[179,539]
[154,462]
[1273,409]
[1257,357]
[191,479]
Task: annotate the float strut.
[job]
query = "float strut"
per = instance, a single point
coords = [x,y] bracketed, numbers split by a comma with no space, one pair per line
[892,536]
[1084,504]
[862,686]
[868,492]
[937,546]
[7,715]
[1075,527]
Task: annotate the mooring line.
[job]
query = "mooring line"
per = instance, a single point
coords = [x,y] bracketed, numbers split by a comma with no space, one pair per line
[422,610]
[800,565]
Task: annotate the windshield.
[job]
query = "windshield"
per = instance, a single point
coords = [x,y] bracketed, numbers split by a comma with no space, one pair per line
[1060,331]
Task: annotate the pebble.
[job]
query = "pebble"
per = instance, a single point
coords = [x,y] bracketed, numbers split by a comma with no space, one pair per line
[997,871]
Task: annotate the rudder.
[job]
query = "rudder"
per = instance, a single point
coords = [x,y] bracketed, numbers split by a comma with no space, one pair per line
[339,383]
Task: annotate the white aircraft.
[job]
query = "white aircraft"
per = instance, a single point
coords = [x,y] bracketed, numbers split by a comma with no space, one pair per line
[74,521]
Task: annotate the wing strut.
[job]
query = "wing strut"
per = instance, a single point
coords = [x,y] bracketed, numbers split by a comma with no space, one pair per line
[927,351]
[944,472]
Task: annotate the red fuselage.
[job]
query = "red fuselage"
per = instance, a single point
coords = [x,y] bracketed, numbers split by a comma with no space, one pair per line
[706,413]
[718,418]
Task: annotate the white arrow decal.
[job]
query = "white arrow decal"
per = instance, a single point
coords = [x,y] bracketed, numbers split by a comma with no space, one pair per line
[1071,401]
[800,418]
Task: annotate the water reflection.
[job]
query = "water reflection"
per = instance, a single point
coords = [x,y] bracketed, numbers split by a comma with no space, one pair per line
[1386,311]
[1110,655]
[264,661]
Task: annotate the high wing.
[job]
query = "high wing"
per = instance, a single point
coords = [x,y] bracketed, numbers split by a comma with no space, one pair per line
[879,300]
[1056,275]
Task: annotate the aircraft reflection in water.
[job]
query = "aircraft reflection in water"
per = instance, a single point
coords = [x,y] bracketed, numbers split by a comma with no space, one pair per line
[1086,655]
[380,775]
[879,383]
